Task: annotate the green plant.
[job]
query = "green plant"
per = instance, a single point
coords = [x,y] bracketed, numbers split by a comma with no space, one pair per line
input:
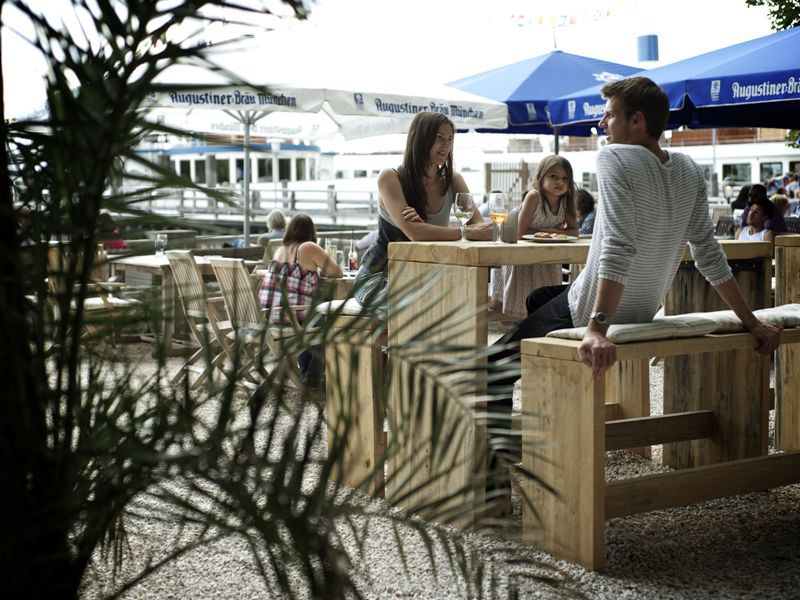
[86,456]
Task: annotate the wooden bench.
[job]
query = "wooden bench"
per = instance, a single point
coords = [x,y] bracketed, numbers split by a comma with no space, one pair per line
[727,433]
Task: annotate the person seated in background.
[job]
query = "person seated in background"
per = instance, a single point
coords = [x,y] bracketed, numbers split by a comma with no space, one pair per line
[295,270]
[775,222]
[366,240]
[108,233]
[484,206]
[755,228]
[276,227]
[740,203]
[781,203]
[586,212]
[793,186]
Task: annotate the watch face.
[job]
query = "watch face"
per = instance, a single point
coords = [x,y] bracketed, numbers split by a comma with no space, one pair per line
[600,317]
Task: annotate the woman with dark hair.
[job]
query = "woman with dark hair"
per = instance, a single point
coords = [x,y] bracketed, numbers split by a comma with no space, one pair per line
[415,200]
[295,271]
[741,198]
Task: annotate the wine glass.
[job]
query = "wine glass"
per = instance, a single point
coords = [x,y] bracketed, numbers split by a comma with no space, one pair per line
[498,212]
[464,208]
[161,243]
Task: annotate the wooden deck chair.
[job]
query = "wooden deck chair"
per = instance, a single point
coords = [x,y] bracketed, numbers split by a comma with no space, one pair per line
[105,312]
[251,329]
[725,227]
[206,317]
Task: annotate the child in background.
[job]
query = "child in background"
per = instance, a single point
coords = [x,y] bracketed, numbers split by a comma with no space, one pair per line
[549,207]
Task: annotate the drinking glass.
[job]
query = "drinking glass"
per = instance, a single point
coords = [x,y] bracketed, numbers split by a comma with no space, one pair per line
[161,243]
[498,212]
[464,208]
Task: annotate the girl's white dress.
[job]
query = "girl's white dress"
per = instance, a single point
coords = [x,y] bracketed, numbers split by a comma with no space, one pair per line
[512,284]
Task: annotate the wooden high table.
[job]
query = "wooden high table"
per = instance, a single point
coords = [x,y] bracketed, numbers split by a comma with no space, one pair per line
[452,308]
[456,276]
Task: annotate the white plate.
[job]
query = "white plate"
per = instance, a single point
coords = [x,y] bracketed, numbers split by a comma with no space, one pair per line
[529,237]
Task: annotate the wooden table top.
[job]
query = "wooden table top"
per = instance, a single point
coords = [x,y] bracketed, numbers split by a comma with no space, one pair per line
[158,263]
[492,254]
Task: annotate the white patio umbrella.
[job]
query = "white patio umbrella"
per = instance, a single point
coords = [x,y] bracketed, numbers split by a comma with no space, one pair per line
[358,110]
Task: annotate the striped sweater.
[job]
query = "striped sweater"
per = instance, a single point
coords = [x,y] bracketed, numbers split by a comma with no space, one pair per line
[647,212]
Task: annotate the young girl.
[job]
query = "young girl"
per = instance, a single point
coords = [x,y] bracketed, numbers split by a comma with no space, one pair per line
[550,207]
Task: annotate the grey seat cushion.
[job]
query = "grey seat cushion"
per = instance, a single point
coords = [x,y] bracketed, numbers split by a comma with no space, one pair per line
[689,325]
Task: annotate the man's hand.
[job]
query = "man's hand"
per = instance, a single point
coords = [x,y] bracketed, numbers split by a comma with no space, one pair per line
[597,352]
[768,334]
[479,231]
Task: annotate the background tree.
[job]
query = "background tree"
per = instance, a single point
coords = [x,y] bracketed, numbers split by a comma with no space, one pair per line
[783,14]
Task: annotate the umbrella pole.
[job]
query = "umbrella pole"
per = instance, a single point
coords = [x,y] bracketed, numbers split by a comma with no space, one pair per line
[555,147]
[246,178]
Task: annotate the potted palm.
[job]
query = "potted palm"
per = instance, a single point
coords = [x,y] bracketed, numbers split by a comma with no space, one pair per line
[92,449]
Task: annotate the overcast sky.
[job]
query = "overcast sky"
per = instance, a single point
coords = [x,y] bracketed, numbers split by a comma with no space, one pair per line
[442,40]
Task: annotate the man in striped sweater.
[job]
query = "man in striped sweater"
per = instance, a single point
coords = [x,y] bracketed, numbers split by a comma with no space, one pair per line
[652,202]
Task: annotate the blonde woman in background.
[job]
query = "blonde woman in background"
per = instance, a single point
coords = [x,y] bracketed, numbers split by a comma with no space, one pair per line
[276,226]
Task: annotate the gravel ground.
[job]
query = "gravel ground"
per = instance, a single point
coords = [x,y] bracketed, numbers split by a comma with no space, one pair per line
[741,547]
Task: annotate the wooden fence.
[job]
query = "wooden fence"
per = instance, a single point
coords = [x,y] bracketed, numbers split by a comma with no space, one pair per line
[512,178]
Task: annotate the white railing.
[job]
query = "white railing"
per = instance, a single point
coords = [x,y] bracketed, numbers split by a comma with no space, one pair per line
[326,206]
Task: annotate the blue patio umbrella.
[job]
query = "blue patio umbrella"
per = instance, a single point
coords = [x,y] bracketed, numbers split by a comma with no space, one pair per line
[752,84]
[527,86]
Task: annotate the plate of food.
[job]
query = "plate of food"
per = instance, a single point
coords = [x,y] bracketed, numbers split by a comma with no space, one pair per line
[548,238]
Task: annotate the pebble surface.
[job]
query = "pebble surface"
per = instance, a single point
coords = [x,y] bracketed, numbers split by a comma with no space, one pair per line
[741,547]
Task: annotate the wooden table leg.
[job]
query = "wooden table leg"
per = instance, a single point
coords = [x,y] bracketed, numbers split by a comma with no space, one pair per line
[787,366]
[355,398]
[730,383]
[451,309]
[567,451]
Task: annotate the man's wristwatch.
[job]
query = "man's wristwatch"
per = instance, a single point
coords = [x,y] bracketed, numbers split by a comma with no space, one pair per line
[600,317]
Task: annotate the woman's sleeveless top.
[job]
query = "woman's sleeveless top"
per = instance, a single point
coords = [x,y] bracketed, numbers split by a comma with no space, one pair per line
[287,283]
[375,258]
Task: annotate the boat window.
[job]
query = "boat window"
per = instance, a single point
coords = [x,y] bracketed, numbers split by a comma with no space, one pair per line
[737,172]
[223,171]
[264,167]
[770,170]
[200,171]
[285,169]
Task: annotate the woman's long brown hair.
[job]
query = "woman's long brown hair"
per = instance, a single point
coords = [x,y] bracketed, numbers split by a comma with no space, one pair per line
[421,137]
[300,229]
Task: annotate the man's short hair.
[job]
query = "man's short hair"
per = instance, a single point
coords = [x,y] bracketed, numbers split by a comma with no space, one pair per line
[641,94]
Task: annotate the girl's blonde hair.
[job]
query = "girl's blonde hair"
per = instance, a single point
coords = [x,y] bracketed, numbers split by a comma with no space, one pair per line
[544,167]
